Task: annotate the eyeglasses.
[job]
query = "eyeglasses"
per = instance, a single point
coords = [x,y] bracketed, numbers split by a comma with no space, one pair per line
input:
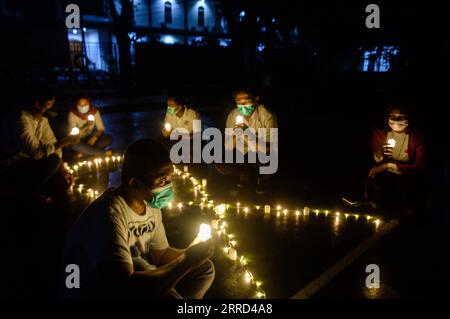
[398,118]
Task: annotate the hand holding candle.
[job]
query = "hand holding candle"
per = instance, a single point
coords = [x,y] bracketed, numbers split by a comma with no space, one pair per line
[75,131]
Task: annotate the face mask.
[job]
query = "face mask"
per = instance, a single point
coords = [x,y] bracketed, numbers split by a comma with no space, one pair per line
[398,126]
[162,196]
[171,110]
[83,109]
[245,110]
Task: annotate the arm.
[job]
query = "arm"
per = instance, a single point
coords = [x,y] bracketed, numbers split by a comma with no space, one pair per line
[118,279]
[163,257]
[419,160]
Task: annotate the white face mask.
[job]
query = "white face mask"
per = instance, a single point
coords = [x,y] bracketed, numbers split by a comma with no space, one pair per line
[83,108]
[398,126]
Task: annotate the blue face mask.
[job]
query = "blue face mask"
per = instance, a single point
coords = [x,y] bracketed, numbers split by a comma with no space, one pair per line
[171,110]
[245,110]
[162,196]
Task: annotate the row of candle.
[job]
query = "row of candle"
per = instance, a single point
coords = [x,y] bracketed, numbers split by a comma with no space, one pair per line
[219,225]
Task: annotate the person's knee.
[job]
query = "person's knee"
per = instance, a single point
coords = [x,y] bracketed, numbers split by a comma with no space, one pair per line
[53,161]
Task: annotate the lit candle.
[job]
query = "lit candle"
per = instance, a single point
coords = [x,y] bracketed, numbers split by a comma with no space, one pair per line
[89,164]
[180,206]
[391,142]
[75,168]
[239,120]
[306,211]
[267,209]
[204,182]
[214,223]
[91,118]
[245,209]
[185,168]
[232,254]
[204,232]
[297,213]
[248,276]
[167,127]
[75,131]
[285,212]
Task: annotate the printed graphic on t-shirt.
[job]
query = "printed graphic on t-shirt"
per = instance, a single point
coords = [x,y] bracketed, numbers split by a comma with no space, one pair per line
[140,228]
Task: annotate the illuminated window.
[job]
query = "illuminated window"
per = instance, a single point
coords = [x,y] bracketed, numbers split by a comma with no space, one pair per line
[380,59]
[167,12]
[201,16]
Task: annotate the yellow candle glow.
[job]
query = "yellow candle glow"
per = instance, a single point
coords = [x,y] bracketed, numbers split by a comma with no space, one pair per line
[91,118]
[391,142]
[167,127]
[204,233]
[239,120]
[75,131]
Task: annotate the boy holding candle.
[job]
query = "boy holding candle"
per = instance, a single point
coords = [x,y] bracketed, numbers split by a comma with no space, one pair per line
[30,152]
[88,120]
[249,113]
[120,244]
[178,116]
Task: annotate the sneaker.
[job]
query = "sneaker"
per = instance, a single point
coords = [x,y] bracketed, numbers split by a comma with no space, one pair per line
[261,185]
[243,181]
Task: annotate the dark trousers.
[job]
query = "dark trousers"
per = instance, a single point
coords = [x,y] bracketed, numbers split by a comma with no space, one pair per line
[98,149]
[30,175]
[393,191]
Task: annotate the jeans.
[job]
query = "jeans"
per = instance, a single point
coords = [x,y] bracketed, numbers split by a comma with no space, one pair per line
[193,285]
[98,149]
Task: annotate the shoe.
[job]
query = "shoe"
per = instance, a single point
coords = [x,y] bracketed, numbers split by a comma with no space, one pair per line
[243,181]
[261,185]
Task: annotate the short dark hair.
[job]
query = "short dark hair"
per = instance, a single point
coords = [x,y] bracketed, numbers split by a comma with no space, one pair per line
[179,99]
[251,90]
[40,95]
[143,158]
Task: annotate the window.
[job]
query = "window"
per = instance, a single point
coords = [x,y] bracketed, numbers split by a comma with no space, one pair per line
[167,12]
[201,16]
[380,59]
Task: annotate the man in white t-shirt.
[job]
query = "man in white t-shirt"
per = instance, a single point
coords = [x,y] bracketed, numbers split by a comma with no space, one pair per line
[30,151]
[178,116]
[120,245]
[249,113]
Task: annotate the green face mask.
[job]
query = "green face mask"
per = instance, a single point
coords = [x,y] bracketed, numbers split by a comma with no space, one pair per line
[162,196]
[171,110]
[245,110]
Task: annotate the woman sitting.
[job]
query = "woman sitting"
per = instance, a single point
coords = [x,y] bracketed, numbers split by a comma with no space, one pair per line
[399,154]
[88,120]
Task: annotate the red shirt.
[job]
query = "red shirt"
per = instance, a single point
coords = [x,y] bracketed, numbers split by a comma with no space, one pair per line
[415,150]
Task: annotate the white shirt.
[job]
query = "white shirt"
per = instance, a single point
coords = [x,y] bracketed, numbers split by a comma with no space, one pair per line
[85,127]
[110,231]
[23,137]
[185,121]
[260,118]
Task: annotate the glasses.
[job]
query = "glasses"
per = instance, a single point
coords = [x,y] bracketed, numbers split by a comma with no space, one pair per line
[398,118]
